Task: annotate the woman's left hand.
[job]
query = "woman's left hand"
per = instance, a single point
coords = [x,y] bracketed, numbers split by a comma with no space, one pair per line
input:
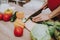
[41,17]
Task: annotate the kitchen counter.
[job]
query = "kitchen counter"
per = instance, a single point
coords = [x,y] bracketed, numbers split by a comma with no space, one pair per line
[7,28]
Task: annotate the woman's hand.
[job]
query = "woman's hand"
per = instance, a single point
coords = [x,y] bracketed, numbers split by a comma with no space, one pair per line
[41,17]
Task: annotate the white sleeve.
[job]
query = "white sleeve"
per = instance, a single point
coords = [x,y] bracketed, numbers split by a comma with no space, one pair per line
[46,11]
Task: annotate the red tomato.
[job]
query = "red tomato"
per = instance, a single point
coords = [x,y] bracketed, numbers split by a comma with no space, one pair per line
[18,31]
[6,17]
[1,16]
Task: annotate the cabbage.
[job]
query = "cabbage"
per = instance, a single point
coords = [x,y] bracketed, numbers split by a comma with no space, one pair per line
[40,32]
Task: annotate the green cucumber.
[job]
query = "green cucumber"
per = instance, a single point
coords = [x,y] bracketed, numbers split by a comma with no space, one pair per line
[13,18]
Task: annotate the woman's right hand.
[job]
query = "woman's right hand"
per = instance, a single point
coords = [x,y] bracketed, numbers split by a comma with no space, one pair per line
[41,17]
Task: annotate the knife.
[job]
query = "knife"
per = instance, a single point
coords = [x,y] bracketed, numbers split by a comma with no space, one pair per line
[33,15]
[30,17]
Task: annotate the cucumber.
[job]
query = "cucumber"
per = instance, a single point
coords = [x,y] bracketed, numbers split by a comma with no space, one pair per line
[13,18]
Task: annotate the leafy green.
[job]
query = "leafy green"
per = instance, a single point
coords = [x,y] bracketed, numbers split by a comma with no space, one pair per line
[49,23]
[51,30]
[40,32]
[52,27]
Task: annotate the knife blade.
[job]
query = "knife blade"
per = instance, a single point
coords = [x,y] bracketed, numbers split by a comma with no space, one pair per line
[30,17]
[33,15]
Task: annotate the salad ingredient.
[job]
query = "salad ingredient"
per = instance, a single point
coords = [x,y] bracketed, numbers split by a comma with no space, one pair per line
[13,18]
[18,31]
[20,15]
[9,11]
[40,32]
[1,16]
[6,17]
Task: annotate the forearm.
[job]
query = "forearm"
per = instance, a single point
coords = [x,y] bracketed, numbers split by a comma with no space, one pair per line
[55,12]
[44,5]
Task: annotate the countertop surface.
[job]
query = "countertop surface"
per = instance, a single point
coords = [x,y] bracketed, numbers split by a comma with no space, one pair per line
[7,28]
[7,32]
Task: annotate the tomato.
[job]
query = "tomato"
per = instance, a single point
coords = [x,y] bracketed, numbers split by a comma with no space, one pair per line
[18,31]
[1,16]
[6,17]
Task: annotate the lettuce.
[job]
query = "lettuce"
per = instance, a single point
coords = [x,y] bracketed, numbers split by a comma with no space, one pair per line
[40,32]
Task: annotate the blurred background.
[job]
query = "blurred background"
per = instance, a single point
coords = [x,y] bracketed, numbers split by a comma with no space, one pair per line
[19,2]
